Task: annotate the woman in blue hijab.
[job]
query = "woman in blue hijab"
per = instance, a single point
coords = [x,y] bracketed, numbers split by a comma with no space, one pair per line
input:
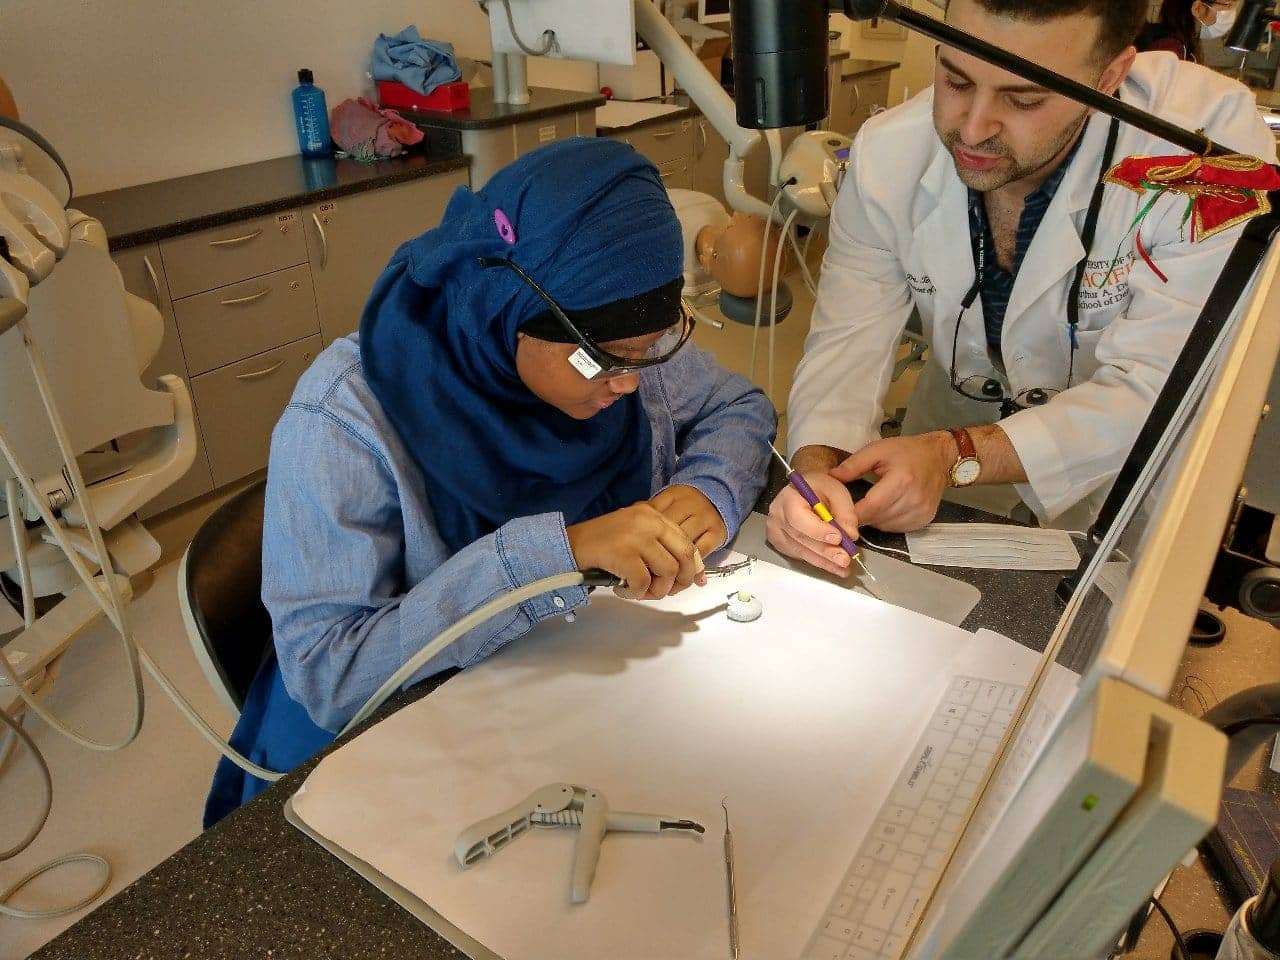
[521,401]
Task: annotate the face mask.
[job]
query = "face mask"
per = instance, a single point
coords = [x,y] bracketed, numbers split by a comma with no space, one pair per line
[993,546]
[1220,27]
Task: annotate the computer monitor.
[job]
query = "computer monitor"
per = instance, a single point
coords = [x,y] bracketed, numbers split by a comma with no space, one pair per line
[713,11]
[1127,623]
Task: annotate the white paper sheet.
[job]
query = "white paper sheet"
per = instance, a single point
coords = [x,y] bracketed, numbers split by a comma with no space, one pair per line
[801,719]
[624,113]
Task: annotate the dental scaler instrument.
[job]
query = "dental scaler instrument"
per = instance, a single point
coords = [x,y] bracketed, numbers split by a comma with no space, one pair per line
[823,511]
[562,805]
[602,578]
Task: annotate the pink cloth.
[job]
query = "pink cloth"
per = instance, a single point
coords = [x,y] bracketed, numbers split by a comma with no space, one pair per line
[366,132]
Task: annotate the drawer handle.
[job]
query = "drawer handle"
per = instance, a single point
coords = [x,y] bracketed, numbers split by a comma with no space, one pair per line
[233,241]
[249,299]
[259,374]
[665,134]
[324,242]
[155,280]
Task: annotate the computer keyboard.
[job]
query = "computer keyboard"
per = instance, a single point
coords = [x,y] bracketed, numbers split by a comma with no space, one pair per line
[880,898]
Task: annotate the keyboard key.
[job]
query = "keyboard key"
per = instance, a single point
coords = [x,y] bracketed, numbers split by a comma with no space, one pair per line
[974,773]
[959,805]
[946,777]
[942,840]
[893,947]
[866,893]
[941,792]
[861,867]
[842,906]
[888,901]
[825,948]
[852,886]
[887,831]
[838,928]
[954,711]
[861,953]
[967,791]
[981,759]
[884,851]
[906,863]
[951,824]
[988,697]
[989,744]
[971,731]
[869,938]
[1002,718]
[925,825]
[963,690]
[945,724]
[933,810]
[964,745]
[955,761]
[980,717]
[915,843]
[934,859]
[911,910]
[1009,698]
[900,815]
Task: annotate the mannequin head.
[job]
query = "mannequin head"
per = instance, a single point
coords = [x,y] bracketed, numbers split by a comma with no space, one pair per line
[730,253]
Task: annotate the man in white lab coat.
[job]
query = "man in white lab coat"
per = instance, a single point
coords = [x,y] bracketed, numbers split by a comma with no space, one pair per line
[1036,403]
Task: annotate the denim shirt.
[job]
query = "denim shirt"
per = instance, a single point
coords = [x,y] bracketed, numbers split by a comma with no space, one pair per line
[354,573]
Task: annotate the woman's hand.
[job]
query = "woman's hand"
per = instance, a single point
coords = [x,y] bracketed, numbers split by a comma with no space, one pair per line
[690,510]
[653,556]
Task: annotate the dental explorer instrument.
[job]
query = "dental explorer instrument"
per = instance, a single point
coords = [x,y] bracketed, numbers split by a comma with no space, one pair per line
[735,946]
[823,511]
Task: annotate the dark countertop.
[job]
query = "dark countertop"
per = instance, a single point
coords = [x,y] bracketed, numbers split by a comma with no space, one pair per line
[484,114]
[254,886]
[168,208]
[862,68]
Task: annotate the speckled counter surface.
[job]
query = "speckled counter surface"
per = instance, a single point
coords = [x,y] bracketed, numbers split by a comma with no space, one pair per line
[254,886]
[168,208]
[855,67]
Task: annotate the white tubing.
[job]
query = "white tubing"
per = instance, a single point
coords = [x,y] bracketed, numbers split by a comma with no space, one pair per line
[447,637]
[764,258]
[773,305]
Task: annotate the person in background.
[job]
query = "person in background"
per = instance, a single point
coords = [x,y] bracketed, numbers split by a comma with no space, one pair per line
[1049,341]
[462,446]
[1182,25]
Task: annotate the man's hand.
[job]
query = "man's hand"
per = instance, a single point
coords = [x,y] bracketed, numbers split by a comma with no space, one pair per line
[651,554]
[690,510]
[912,474]
[796,531]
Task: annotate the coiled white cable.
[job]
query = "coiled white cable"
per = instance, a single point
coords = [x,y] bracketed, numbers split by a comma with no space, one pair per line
[773,303]
[764,259]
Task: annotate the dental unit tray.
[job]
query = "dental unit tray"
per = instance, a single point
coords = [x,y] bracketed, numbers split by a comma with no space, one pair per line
[562,805]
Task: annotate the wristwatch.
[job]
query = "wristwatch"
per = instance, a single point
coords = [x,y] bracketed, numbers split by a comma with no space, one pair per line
[967,468]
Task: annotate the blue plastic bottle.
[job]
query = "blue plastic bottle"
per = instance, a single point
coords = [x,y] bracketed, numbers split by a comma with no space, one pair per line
[312,117]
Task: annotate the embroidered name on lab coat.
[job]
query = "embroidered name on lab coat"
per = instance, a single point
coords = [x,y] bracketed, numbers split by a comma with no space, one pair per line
[1106,283]
[923,285]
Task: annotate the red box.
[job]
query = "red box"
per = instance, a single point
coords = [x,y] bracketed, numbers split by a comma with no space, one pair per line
[447,97]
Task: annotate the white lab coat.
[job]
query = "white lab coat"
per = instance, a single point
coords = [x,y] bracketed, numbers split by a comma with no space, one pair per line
[900,238]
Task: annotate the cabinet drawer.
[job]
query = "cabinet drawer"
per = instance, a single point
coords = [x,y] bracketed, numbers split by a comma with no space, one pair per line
[231,323]
[662,144]
[676,174]
[873,92]
[240,404]
[537,133]
[250,248]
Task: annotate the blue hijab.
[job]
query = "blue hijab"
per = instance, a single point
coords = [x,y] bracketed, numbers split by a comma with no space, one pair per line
[590,221]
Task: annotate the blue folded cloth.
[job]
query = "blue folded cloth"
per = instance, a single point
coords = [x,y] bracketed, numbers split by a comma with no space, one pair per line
[419,64]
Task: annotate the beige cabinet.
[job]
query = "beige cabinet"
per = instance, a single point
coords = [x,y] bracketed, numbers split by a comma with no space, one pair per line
[710,151]
[242,402]
[351,239]
[143,274]
[211,258]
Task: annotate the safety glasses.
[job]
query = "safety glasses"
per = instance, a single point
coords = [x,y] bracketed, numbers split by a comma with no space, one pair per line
[592,361]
